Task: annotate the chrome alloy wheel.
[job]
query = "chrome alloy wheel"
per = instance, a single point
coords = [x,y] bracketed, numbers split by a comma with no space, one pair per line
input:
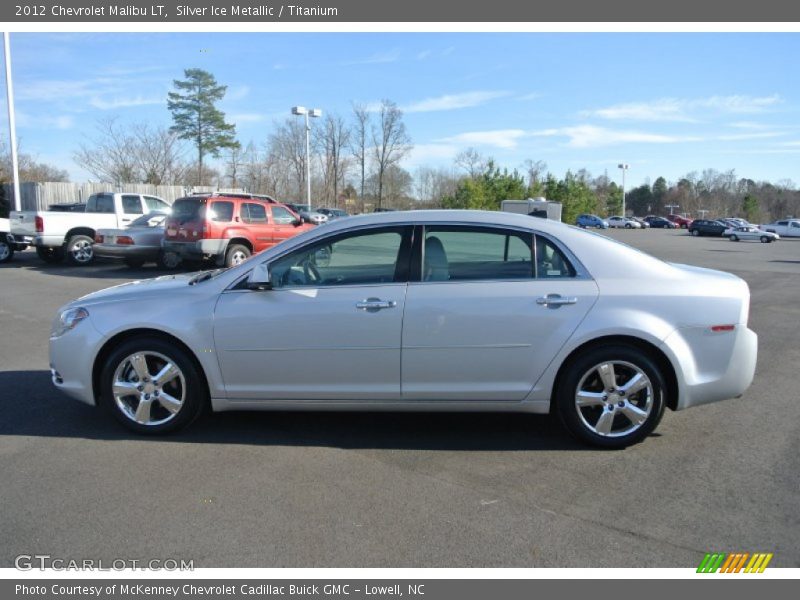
[82,251]
[5,250]
[614,398]
[238,257]
[148,388]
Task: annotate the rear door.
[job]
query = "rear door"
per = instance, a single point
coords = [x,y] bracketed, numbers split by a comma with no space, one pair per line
[490,310]
[254,216]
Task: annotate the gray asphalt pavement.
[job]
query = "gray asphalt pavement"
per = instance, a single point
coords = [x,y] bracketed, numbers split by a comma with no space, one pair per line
[401,490]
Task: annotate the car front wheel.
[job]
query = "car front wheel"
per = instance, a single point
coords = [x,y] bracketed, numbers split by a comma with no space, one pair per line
[696,233]
[152,386]
[765,239]
[236,255]
[611,396]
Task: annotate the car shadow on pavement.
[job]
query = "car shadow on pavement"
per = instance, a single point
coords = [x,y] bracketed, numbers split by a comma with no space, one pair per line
[30,406]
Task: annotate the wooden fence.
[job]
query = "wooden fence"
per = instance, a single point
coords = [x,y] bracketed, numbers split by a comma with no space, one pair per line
[38,196]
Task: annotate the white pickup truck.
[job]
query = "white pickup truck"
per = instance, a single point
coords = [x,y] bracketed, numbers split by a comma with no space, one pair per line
[58,235]
[8,245]
[785,228]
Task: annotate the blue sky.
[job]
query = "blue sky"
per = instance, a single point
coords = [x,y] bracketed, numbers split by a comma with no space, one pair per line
[667,103]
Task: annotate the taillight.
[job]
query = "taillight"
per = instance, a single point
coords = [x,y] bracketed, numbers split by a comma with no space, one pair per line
[98,239]
[204,231]
[39,222]
[125,240]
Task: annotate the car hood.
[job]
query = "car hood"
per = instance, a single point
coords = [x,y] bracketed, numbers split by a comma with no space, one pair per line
[166,286]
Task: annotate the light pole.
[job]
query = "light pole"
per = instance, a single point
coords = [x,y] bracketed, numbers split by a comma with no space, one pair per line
[12,122]
[313,112]
[624,167]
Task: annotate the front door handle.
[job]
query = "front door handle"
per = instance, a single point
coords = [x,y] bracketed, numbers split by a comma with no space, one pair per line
[556,300]
[375,304]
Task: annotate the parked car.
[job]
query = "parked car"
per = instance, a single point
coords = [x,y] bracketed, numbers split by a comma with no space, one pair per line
[333,213]
[58,235]
[308,215]
[8,243]
[680,221]
[591,221]
[623,222]
[752,233]
[227,228]
[485,311]
[784,227]
[138,244]
[707,227]
[642,222]
[660,222]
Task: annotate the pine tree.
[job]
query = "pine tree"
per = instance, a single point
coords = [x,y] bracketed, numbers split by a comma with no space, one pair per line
[196,116]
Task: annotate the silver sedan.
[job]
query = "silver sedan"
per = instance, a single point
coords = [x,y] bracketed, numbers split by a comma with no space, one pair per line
[138,244]
[419,311]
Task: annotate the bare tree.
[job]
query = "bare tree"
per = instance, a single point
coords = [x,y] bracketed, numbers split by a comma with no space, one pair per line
[159,155]
[234,164]
[471,161]
[287,144]
[536,170]
[331,139]
[390,141]
[110,155]
[359,141]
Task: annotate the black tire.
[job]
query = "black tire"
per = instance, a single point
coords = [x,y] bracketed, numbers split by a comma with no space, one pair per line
[189,386]
[696,232]
[765,239]
[79,250]
[236,255]
[583,371]
[734,238]
[6,250]
[50,254]
[628,226]
[134,263]
[168,260]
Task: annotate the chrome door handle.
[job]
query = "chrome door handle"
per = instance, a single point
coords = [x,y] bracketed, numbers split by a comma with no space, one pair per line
[556,300]
[375,304]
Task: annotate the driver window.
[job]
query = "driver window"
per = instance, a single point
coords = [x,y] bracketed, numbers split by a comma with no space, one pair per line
[363,258]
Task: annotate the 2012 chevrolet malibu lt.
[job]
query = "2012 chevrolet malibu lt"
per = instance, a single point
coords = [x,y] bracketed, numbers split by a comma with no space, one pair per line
[421,311]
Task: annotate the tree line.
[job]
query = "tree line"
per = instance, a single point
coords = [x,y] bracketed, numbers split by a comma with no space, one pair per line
[356,164]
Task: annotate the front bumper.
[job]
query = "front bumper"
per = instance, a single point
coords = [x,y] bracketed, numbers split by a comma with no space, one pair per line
[72,359]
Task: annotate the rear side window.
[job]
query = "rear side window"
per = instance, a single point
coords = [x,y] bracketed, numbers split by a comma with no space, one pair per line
[131,205]
[100,203]
[550,261]
[188,209]
[156,204]
[221,212]
[475,253]
[253,213]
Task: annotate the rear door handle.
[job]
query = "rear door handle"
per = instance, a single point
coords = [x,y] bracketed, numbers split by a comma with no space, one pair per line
[556,300]
[375,304]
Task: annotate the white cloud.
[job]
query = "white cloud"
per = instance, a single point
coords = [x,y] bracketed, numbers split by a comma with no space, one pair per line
[683,109]
[454,101]
[590,136]
[751,136]
[237,93]
[425,154]
[125,102]
[423,55]
[531,96]
[498,138]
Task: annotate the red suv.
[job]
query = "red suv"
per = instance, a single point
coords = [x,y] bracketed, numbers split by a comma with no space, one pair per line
[680,221]
[228,227]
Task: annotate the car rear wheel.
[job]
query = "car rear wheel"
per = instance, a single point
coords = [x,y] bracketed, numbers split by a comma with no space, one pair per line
[696,232]
[236,255]
[79,250]
[151,386]
[50,254]
[168,260]
[6,250]
[611,396]
[734,238]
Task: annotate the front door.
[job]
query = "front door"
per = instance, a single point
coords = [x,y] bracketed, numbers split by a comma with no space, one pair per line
[330,328]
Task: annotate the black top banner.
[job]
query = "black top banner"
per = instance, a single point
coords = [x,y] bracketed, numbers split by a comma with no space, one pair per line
[443,11]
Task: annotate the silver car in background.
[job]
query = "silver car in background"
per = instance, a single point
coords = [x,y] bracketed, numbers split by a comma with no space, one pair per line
[140,243]
[418,311]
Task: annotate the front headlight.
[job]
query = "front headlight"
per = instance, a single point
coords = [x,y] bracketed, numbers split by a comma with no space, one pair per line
[67,320]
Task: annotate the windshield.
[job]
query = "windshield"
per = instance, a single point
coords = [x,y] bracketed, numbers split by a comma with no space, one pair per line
[153,219]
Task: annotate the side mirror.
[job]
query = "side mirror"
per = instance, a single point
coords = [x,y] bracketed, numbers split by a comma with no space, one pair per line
[259,278]
[297,222]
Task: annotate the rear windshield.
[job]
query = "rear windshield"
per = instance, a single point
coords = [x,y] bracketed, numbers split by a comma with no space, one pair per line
[189,209]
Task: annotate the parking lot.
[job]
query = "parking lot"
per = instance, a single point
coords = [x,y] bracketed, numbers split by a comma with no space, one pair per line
[401,490]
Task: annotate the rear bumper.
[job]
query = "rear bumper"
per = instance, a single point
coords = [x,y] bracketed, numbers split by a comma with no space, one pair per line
[712,366]
[48,241]
[122,252]
[196,250]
